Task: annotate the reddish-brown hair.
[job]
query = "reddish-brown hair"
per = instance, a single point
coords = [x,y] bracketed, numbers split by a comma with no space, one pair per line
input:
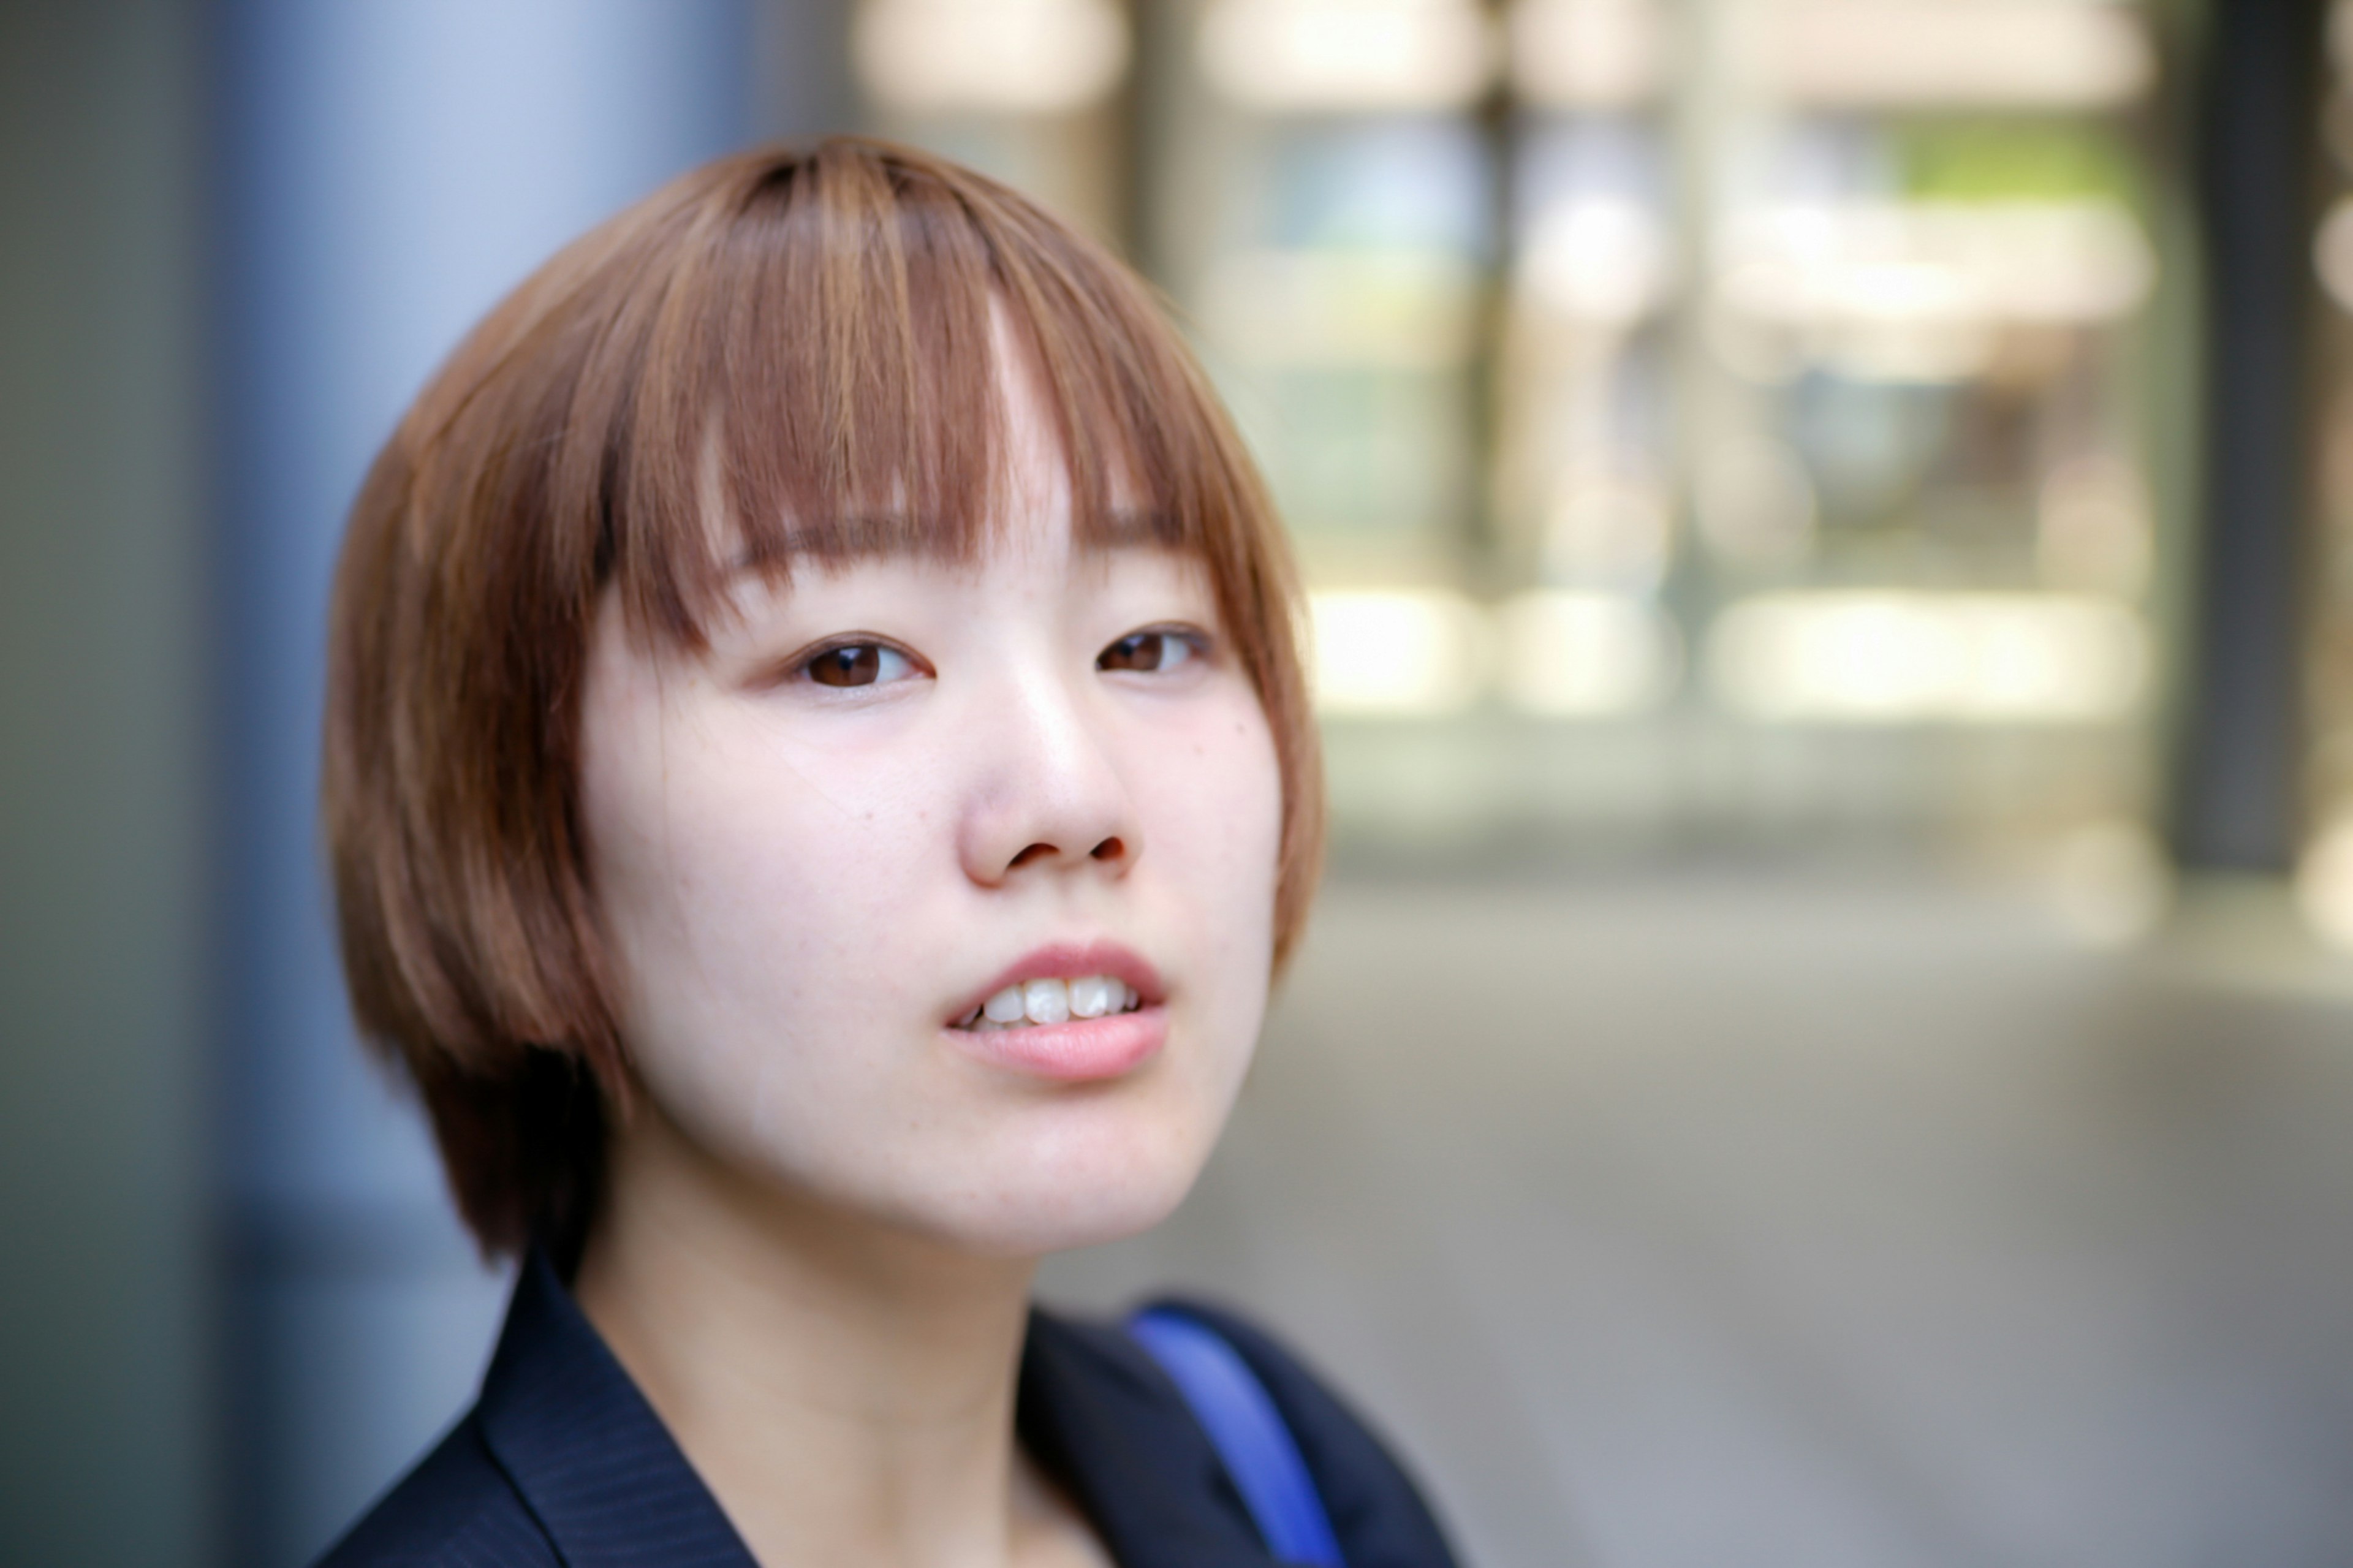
[782,337]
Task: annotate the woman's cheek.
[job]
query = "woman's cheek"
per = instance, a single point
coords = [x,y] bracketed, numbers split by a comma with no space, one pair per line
[1252,810]
[1232,831]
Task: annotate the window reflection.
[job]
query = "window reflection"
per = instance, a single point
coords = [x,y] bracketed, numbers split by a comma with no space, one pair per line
[1725,418]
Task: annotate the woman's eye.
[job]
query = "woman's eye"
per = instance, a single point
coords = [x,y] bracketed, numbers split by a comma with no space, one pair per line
[858,664]
[1152,651]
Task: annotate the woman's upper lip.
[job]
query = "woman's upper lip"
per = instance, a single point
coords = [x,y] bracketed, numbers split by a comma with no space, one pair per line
[1068,961]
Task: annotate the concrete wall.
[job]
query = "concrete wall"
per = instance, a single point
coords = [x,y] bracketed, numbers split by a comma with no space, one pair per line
[103,1306]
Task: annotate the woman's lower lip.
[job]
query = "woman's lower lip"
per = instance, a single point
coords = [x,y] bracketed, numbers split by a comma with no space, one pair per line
[1075,1052]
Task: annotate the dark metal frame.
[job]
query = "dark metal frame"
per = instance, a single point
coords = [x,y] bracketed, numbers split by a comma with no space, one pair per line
[2235,797]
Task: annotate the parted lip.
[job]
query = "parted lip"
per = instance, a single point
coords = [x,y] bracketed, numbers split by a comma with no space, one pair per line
[1068,961]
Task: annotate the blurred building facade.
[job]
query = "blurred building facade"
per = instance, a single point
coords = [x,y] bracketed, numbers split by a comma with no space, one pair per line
[1780,431]
[1710,423]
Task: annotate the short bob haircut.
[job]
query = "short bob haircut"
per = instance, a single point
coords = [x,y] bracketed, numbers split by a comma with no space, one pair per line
[732,370]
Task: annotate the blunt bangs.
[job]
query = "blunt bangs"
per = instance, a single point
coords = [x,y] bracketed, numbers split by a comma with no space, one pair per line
[819,377]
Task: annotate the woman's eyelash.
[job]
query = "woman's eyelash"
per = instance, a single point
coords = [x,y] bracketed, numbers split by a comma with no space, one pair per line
[852,663]
[1153,649]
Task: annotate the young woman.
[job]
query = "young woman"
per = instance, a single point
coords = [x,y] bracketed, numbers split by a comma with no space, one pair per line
[820,782]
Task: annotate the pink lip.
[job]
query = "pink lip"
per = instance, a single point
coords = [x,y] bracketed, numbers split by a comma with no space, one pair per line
[1084,1049]
[1081,1051]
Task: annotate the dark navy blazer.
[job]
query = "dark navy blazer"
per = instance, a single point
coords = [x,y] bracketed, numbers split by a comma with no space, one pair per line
[561,1461]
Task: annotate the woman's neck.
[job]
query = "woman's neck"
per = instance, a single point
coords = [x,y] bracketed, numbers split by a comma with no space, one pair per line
[845,1390]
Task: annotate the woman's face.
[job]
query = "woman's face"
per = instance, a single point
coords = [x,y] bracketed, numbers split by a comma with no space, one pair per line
[897,789]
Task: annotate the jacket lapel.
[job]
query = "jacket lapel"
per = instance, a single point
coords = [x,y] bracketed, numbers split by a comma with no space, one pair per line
[587,1453]
[612,1489]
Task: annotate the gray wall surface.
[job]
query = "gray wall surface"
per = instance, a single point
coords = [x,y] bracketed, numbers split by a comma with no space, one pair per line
[103,761]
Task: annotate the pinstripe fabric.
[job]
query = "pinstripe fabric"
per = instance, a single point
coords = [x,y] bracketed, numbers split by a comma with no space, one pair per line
[562,1464]
[457,1509]
[589,1455]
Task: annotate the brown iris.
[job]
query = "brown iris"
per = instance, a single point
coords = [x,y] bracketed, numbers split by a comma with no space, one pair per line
[1137,650]
[860,664]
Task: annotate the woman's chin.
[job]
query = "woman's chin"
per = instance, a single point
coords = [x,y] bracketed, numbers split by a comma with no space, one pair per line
[1047,1207]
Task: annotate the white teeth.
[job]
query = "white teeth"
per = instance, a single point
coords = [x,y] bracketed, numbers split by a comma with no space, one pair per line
[1054,1002]
[1046,1001]
[1092,996]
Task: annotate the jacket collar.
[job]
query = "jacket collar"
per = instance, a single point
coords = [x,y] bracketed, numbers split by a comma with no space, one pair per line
[611,1486]
[589,1455]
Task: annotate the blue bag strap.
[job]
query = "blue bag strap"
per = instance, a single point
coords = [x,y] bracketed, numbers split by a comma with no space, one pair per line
[1248,1432]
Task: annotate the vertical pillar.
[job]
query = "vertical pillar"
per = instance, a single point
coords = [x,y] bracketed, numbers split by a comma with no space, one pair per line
[104,1309]
[2235,798]
[389,168]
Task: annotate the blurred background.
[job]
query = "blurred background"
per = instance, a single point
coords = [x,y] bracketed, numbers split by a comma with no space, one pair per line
[1829,1036]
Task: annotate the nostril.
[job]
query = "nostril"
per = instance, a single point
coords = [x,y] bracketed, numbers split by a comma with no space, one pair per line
[1110,849]
[1036,852]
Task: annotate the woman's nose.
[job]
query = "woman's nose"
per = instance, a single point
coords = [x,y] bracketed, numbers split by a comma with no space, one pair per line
[1048,793]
